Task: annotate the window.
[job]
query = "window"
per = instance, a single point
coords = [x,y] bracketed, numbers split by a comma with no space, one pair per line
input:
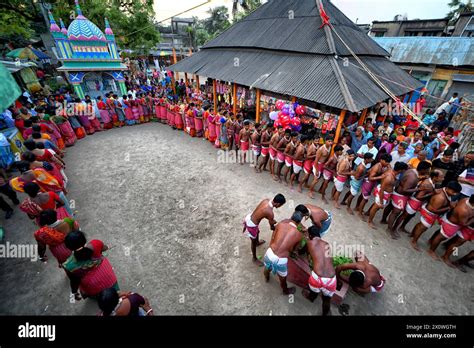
[411,33]
[436,87]
[379,34]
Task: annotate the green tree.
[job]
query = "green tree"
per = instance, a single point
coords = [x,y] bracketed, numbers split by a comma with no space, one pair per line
[458,7]
[19,20]
[218,20]
[132,21]
[246,7]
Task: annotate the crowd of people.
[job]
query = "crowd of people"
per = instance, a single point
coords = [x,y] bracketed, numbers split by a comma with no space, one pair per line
[402,165]
[48,126]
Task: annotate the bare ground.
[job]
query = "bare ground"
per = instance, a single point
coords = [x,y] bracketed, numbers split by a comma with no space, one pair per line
[172,216]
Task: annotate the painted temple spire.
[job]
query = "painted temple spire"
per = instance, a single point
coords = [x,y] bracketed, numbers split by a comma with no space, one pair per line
[78,10]
[63,27]
[108,30]
[53,26]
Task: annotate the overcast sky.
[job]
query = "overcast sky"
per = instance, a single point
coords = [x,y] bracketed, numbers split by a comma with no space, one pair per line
[364,11]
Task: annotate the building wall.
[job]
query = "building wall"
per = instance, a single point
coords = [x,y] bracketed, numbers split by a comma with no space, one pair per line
[434,27]
[439,80]
[464,26]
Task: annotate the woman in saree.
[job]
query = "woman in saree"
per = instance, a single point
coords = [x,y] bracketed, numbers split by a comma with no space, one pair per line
[118,303]
[190,128]
[46,181]
[52,234]
[198,115]
[55,131]
[170,114]
[105,115]
[141,111]
[40,176]
[38,201]
[217,123]
[151,108]
[119,110]
[110,105]
[223,140]
[48,166]
[89,271]
[212,128]
[74,121]
[83,116]
[127,104]
[178,117]
[157,108]
[65,128]
[92,115]
[163,112]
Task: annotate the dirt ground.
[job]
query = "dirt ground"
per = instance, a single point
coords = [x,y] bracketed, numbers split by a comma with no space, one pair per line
[172,215]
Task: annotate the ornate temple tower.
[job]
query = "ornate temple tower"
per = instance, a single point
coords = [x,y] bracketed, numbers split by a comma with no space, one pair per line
[90,58]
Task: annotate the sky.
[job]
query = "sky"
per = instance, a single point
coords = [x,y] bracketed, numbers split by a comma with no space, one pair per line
[362,11]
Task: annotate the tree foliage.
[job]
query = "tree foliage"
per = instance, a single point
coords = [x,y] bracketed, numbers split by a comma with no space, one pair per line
[246,7]
[458,7]
[19,19]
[219,20]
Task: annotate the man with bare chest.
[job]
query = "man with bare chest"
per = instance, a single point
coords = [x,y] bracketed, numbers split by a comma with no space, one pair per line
[264,210]
[284,239]
[244,136]
[329,171]
[265,141]
[298,158]
[438,204]
[281,147]
[256,145]
[426,190]
[289,155]
[275,139]
[383,192]
[457,219]
[371,181]
[322,156]
[407,186]
[323,276]
[365,278]
[310,155]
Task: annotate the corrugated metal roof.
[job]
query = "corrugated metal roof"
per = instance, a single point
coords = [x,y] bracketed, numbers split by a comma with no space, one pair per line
[272,28]
[304,76]
[429,50]
[270,51]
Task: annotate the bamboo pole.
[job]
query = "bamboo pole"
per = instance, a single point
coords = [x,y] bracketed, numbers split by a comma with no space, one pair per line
[197,83]
[187,86]
[214,90]
[234,99]
[363,116]
[338,129]
[175,60]
[257,118]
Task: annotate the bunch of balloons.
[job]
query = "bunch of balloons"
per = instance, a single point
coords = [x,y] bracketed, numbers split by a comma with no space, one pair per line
[288,115]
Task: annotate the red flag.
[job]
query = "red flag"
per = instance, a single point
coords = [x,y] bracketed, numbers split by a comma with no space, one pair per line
[324,17]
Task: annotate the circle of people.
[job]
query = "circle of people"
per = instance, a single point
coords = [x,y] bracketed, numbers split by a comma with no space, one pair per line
[407,171]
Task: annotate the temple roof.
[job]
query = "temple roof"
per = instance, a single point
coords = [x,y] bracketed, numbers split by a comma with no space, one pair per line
[282,47]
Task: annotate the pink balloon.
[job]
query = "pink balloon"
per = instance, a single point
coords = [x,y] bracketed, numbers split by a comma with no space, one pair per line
[279,104]
[300,110]
[295,121]
[285,120]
